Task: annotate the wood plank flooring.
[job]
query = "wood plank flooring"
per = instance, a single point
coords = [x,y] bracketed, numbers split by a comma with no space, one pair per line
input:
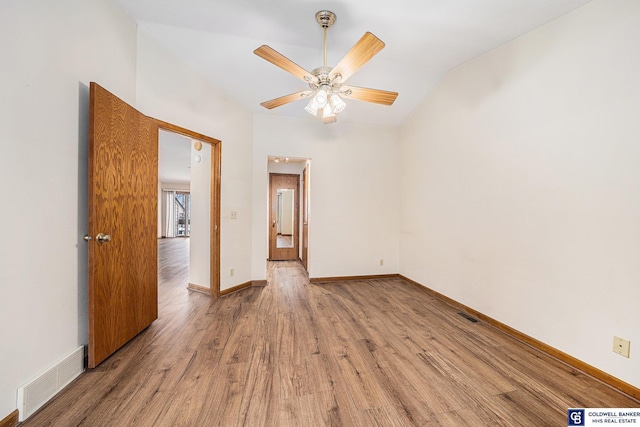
[361,353]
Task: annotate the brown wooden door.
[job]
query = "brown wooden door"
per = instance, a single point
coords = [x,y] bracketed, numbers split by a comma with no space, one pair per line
[283,236]
[123,198]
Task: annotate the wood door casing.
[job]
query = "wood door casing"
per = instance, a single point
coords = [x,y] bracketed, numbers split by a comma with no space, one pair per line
[123,198]
[288,182]
[216,161]
[304,257]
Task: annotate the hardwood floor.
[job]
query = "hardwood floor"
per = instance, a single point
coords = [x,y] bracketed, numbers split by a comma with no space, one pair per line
[362,353]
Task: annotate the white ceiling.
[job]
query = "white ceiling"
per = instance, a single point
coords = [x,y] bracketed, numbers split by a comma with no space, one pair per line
[424,39]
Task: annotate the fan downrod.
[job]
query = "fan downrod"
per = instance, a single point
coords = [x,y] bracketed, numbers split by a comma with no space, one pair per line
[325,18]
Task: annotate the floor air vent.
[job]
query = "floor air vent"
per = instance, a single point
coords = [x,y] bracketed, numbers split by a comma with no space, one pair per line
[469,318]
[37,392]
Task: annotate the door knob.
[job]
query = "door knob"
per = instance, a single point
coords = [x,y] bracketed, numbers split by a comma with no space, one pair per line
[273,224]
[103,238]
[87,238]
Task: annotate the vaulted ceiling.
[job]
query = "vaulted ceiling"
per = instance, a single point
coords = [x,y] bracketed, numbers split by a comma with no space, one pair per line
[424,39]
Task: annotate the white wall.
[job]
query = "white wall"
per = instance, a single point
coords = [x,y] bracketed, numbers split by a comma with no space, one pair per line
[170,90]
[294,167]
[520,185]
[50,52]
[354,167]
[176,186]
[200,241]
[161,211]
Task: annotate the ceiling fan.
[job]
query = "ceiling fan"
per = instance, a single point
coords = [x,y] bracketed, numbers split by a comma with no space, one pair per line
[326,83]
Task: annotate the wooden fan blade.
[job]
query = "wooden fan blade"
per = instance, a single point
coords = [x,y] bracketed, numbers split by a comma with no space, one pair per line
[378,96]
[279,60]
[285,99]
[365,49]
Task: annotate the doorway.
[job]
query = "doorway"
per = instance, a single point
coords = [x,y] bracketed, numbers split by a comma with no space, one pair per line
[284,202]
[186,205]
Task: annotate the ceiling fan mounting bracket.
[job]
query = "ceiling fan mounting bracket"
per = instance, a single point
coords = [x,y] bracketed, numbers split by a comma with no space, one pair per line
[325,18]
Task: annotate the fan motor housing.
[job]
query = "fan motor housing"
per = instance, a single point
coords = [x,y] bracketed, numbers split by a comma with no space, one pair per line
[324,78]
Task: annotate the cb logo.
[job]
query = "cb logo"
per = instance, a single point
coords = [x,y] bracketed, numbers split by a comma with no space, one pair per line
[575,417]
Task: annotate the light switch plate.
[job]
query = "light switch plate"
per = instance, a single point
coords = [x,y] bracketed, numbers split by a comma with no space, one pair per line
[621,346]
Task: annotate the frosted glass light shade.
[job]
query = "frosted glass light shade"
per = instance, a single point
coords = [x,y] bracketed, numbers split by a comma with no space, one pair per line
[312,107]
[338,103]
[328,112]
[321,98]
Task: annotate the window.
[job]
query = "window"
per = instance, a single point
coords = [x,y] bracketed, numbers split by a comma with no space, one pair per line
[182,214]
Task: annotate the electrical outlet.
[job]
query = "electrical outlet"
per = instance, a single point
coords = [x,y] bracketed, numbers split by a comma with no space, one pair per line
[381,262]
[232,272]
[233,215]
[621,346]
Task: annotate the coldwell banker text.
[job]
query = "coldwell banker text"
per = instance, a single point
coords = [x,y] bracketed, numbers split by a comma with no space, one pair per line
[614,417]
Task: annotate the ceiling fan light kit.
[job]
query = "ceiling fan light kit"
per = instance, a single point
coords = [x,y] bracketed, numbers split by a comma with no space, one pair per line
[327,91]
